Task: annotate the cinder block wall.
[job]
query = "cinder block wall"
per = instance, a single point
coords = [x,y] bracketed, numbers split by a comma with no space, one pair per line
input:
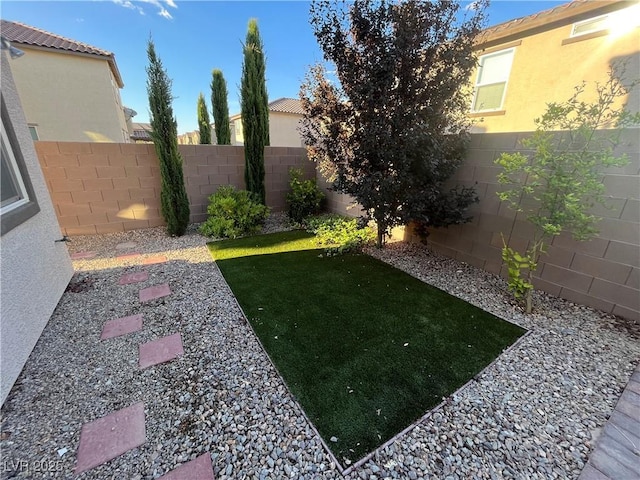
[112,187]
[603,272]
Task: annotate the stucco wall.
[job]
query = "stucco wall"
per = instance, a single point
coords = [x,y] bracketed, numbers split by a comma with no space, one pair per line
[102,188]
[34,269]
[545,70]
[283,130]
[79,89]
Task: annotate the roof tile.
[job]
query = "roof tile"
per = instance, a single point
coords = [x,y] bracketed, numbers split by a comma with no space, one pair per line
[20,33]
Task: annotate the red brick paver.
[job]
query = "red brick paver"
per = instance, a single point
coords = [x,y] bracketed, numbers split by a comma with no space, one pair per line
[109,437]
[121,326]
[199,468]
[161,350]
[154,260]
[152,293]
[134,277]
[128,256]
[83,255]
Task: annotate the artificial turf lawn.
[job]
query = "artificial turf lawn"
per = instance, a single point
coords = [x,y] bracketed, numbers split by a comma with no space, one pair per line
[365,348]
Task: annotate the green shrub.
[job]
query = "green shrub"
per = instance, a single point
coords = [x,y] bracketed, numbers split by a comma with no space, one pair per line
[341,234]
[305,197]
[233,213]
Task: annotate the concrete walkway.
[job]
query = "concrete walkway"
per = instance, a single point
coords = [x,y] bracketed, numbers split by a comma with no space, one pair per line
[617,453]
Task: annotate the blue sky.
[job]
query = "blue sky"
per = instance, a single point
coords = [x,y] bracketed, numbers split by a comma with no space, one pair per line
[193,37]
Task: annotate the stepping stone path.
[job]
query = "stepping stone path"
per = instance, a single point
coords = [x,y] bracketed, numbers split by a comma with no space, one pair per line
[83,255]
[199,468]
[154,260]
[121,326]
[134,277]
[161,350]
[152,293]
[109,437]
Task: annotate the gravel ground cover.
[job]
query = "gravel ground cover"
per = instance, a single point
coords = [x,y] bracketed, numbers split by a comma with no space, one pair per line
[535,413]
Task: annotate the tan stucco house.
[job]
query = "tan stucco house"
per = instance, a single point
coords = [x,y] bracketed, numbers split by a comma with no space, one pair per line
[35,267]
[525,63]
[70,91]
[285,115]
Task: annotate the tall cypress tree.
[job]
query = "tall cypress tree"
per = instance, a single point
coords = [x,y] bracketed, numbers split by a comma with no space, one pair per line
[220,107]
[204,124]
[164,132]
[254,109]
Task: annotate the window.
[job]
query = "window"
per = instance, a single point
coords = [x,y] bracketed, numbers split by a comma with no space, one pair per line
[491,84]
[34,132]
[17,200]
[589,26]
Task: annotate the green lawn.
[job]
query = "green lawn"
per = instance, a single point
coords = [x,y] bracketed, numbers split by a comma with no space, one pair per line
[365,348]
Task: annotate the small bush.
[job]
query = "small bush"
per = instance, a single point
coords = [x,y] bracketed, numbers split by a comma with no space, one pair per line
[233,213]
[304,199]
[342,234]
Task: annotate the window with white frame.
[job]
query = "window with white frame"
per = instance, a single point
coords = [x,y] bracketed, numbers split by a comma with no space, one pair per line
[17,200]
[12,189]
[591,25]
[33,130]
[491,83]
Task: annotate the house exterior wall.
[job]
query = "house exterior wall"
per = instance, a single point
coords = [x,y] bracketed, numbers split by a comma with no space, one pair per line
[103,188]
[34,269]
[283,130]
[548,65]
[80,89]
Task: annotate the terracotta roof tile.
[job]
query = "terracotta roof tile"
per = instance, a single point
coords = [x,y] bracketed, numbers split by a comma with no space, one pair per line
[551,18]
[27,35]
[141,131]
[286,105]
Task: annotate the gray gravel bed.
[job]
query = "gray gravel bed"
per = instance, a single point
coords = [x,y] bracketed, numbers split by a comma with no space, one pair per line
[534,414]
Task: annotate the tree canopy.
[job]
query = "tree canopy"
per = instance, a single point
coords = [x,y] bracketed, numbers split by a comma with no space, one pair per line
[174,202]
[220,107]
[204,124]
[392,128]
[254,109]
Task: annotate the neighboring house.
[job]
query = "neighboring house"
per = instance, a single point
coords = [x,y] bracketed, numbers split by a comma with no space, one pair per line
[141,133]
[193,138]
[531,61]
[70,91]
[34,266]
[285,115]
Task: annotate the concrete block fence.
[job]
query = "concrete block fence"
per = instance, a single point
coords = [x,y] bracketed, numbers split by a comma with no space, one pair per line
[102,187]
[112,187]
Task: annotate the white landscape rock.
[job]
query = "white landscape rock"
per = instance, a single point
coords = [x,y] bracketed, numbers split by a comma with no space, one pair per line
[532,414]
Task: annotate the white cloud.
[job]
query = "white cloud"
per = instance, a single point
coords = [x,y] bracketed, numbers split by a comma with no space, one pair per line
[472,6]
[159,4]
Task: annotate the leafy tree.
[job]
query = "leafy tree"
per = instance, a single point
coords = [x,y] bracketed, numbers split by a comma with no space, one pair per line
[204,124]
[220,108]
[393,129]
[164,132]
[255,111]
[556,185]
